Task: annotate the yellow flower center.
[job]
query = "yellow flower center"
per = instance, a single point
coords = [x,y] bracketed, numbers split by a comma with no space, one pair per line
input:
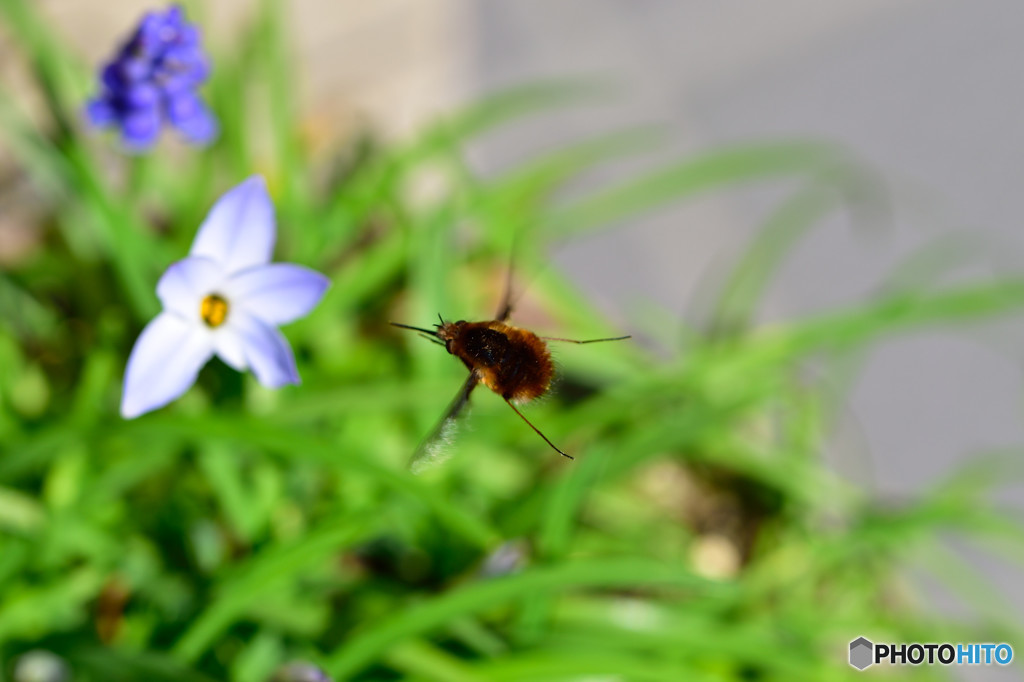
[213,310]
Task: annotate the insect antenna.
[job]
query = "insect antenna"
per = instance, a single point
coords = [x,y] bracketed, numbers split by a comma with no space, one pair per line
[613,338]
[428,332]
[553,446]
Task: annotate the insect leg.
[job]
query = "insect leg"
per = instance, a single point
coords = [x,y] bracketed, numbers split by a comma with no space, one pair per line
[553,446]
[614,338]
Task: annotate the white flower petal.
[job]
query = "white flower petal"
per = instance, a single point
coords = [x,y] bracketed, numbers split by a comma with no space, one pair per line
[277,293]
[165,361]
[266,351]
[230,347]
[185,283]
[239,230]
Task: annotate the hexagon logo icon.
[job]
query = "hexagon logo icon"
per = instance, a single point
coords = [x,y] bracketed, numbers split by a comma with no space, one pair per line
[861,653]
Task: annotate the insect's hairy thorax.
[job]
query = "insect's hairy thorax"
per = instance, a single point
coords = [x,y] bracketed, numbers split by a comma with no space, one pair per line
[485,346]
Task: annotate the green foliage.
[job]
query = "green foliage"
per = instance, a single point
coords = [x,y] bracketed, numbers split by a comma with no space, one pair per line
[697,536]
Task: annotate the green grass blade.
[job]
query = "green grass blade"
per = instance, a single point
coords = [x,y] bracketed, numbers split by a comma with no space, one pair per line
[363,648]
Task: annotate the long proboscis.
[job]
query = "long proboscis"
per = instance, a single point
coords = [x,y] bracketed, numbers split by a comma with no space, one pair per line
[430,332]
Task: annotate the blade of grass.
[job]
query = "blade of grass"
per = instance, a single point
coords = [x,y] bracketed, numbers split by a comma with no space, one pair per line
[427,662]
[265,573]
[286,442]
[749,279]
[364,647]
[721,168]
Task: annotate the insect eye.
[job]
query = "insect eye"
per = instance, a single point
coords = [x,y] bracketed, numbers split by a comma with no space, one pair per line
[448,345]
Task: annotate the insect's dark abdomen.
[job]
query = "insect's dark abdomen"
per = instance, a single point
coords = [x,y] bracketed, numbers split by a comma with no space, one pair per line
[524,374]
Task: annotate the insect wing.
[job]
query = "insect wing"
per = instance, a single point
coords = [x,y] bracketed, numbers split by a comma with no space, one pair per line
[505,308]
[436,447]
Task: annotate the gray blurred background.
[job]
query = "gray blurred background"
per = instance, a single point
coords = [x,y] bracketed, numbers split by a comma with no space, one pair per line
[925,93]
[921,92]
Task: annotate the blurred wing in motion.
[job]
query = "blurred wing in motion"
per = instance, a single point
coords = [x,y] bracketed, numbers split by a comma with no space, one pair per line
[436,447]
[505,309]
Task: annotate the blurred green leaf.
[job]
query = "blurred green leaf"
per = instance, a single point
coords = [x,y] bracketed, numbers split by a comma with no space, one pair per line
[422,618]
[717,169]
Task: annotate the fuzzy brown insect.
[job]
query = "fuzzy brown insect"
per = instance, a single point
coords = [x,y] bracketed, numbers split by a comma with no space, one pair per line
[513,362]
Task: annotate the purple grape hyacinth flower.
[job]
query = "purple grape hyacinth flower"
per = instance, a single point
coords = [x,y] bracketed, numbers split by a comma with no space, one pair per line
[153,79]
[225,299]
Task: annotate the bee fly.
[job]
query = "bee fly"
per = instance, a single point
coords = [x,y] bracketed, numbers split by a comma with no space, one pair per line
[513,362]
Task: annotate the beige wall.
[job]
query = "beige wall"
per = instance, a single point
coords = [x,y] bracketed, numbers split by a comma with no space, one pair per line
[393,62]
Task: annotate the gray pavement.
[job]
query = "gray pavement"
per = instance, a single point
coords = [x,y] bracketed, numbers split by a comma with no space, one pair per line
[926,93]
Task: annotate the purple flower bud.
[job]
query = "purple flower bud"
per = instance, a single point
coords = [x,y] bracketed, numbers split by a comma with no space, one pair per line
[153,80]
[100,113]
[297,671]
[140,127]
[188,113]
[143,95]
[507,558]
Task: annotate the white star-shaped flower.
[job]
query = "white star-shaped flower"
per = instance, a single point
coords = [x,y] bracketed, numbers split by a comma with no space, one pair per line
[226,299]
